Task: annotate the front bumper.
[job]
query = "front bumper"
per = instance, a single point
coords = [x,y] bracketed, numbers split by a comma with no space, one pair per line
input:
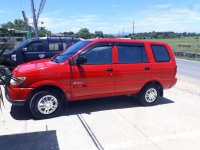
[16,102]
[17,96]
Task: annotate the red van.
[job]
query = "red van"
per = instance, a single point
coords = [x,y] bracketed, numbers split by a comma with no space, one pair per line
[91,69]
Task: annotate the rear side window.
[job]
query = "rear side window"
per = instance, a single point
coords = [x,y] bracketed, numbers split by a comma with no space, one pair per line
[131,54]
[54,46]
[160,53]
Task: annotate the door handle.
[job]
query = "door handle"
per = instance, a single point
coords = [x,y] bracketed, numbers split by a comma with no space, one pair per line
[109,69]
[147,68]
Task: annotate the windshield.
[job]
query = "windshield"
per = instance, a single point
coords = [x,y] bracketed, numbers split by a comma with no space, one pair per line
[65,55]
[23,44]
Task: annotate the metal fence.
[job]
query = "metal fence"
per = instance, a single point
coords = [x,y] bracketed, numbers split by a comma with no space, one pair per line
[187,55]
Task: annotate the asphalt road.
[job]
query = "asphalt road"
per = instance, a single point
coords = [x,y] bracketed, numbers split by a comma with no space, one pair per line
[188,68]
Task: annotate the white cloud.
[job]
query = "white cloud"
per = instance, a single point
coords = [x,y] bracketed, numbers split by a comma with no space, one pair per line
[52,13]
[169,19]
[3,11]
[85,19]
[178,20]
[72,23]
[161,6]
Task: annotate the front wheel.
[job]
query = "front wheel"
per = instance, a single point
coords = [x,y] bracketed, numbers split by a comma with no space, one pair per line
[149,96]
[45,104]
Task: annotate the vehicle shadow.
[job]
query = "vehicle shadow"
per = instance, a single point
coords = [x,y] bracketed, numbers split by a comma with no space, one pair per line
[30,141]
[88,106]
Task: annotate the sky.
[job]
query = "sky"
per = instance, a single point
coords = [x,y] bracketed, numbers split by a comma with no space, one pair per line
[109,16]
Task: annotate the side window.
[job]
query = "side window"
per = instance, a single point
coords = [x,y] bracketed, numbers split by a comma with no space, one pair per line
[99,55]
[36,47]
[54,46]
[160,53]
[132,54]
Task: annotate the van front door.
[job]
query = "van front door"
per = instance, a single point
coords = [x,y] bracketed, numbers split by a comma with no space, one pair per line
[96,77]
[34,51]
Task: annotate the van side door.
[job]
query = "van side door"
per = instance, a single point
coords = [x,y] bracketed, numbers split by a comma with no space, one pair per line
[133,69]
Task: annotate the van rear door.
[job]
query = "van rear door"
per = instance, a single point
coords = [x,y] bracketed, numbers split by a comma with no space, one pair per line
[133,69]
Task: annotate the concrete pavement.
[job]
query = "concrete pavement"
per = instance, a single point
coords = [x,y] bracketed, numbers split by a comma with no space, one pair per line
[111,123]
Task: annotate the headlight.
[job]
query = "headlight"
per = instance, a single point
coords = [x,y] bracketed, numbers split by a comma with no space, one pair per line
[17,80]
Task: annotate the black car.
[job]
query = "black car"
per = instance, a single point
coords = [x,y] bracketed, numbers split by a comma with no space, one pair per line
[33,49]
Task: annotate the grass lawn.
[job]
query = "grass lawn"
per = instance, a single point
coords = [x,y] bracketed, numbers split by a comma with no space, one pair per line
[186,44]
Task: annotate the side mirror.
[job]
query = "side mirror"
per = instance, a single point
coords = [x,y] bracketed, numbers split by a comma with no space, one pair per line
[81,60]
[24,50]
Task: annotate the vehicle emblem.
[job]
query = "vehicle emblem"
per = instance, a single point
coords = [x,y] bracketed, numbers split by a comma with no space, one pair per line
[77,83]
[41,55]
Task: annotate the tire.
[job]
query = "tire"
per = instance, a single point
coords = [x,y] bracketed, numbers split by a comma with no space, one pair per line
[149,95]
[45,104]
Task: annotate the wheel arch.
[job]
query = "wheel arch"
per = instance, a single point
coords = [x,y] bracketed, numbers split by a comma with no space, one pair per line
[157,83]
[49,88]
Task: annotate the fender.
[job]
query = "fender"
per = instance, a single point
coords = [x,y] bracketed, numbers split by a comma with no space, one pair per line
[49,82]
[65,89]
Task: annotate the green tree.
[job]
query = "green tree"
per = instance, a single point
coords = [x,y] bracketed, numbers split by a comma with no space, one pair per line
[43,32]
[84,33]
[18,24]
[9,24]
[98,34]
[68,33]
[109,36]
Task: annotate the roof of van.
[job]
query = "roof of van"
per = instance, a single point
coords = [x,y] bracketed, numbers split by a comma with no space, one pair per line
[125,40]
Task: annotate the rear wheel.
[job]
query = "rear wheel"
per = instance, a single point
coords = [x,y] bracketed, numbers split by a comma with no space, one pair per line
[149,95]
[45,104]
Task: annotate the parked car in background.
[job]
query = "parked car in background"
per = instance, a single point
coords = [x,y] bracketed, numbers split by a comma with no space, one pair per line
[34,49]
[91,69]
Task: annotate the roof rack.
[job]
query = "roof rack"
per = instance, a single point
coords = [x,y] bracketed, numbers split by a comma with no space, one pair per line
[61,37]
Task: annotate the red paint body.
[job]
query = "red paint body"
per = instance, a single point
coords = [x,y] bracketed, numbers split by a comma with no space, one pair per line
[93,81]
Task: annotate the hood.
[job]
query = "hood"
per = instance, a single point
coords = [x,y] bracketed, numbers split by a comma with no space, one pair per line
[39,67]
[8,52]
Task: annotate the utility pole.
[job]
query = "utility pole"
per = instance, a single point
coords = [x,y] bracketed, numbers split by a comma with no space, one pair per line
[25,21]
[35,21]
[133,27]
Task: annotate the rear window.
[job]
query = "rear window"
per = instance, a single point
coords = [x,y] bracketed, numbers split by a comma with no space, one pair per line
[160,53]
